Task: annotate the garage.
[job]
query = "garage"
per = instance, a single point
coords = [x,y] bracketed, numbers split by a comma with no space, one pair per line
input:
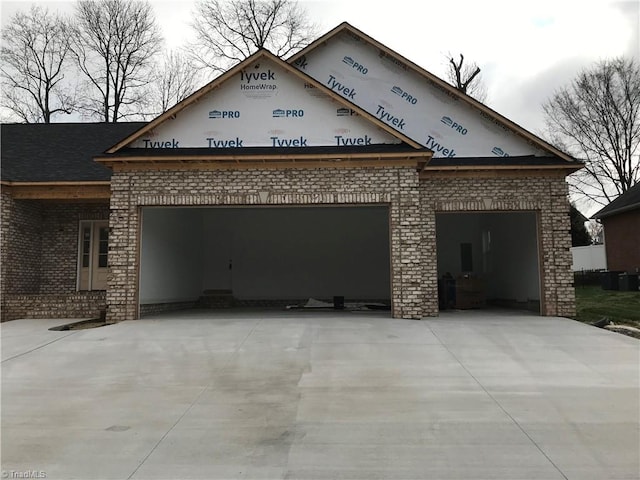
[208,257]
[488,258]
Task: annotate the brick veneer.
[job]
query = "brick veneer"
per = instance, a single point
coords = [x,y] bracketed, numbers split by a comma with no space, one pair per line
[39,239]
[396,187]
[73,305]
[545,195]
[21,246]
[39,248]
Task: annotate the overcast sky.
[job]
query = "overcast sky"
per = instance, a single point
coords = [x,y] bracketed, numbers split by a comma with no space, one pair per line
[526,49]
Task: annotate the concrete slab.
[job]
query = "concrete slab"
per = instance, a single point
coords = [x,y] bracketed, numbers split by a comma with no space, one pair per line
[317,395]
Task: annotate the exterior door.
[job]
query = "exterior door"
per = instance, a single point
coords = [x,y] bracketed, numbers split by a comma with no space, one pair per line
[94,248]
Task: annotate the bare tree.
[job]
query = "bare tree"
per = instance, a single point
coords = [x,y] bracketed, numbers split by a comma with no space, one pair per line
[597,118]
[227,32]
[596,232]
[177,78]
[114,43]
[34,58]
[466,78]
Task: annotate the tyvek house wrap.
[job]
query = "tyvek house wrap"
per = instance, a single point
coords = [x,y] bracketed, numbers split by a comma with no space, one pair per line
[388,89]
[264,105]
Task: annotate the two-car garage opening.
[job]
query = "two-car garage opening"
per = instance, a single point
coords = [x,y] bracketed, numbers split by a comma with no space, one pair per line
[263,256]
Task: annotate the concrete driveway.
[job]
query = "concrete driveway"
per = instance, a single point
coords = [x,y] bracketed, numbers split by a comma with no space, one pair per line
[469,395]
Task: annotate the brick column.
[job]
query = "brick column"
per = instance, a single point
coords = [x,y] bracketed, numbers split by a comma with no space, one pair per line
[122,283]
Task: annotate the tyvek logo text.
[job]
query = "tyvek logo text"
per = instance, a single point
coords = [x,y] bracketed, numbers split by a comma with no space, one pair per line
[390,119]
[280,113]
[404,95]
[339,87]
[215,114]
[173,143]
[224,143]
[249,80]
[499,152]
[345,112]
[436,147]
[449,122]
[355,65]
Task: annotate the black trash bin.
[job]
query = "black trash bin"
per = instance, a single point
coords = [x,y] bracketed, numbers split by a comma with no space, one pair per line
[609,280]
[338,302]
[628,282]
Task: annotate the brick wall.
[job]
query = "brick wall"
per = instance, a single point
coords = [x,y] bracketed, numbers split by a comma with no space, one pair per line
[39,254]
[622,241]
[21,245]
[74,305]
[545,195]
[396,187]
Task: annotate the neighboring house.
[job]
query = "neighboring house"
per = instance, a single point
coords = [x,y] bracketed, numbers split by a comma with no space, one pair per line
[346,171]
[621,222]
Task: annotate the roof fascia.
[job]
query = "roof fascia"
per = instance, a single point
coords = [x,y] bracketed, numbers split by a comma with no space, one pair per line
[514,127]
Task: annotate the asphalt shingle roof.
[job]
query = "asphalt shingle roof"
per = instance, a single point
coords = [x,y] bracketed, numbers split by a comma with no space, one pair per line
[58,152]
[629,200]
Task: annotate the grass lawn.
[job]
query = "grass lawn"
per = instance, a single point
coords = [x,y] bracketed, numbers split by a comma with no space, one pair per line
[593,303]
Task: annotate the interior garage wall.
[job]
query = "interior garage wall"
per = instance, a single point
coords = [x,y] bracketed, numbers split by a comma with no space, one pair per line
[298,252]
[513,272]
[171,255]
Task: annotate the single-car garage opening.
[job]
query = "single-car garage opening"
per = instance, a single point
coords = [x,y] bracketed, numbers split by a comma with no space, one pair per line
[488,259]
[211,257]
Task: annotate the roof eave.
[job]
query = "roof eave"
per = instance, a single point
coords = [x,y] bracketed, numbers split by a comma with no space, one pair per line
[615,211]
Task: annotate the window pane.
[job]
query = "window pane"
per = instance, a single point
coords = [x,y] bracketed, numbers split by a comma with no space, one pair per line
[86,246]
[103,247]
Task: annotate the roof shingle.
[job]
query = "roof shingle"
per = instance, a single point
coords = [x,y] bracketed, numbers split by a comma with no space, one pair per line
[629,200]
[57,152]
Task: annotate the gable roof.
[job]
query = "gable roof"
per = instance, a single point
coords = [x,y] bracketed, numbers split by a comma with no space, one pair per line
[199,95]
[58,152]
[439,83]
[629,200]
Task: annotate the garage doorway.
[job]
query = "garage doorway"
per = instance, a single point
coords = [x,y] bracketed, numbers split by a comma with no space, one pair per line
[488,259]
[204,257]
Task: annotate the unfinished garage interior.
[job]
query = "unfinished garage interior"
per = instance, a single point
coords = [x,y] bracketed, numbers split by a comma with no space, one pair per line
[488,259]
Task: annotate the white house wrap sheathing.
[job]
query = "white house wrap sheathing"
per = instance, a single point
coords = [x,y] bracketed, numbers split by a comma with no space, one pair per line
[402,98]
[265,106]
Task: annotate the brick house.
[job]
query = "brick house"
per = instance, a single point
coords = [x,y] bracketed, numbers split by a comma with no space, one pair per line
[345,171]
[621,222]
